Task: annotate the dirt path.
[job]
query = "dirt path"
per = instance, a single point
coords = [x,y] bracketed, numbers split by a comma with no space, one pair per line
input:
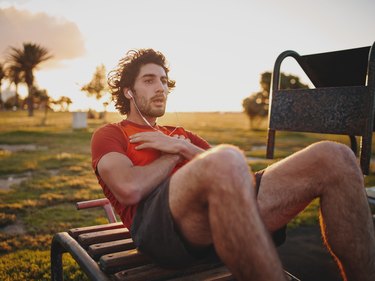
[7,182]
[304,256]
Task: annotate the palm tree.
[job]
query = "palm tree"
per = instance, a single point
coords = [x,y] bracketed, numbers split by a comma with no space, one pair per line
[65,101]
[15,75]
[2,76]
[27,59]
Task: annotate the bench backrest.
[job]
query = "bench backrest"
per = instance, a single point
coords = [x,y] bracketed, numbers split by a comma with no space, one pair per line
[342,101]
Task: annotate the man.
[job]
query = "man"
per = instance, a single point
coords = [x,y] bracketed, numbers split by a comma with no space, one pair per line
[181,198]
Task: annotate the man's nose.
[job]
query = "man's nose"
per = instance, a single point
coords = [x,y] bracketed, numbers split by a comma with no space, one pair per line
[162,88]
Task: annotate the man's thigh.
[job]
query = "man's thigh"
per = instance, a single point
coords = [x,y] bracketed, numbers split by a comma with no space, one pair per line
[188,205]
[192,185]
[289,185]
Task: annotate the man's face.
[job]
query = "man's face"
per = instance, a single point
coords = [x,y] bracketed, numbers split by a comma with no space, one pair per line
[151,88]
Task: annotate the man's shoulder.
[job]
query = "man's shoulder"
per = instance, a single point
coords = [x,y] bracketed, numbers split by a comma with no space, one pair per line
[107,129]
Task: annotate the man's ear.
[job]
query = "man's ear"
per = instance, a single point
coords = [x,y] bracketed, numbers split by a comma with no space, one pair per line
[128,93]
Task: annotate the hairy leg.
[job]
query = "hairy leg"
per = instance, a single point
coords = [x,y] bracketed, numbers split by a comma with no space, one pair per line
[329,171]
[212,200]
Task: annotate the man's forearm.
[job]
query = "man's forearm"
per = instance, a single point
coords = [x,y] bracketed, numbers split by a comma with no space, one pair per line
[167,144]
[189,150]
[144,179]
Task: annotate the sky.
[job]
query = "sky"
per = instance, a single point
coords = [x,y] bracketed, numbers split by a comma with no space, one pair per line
[216,49]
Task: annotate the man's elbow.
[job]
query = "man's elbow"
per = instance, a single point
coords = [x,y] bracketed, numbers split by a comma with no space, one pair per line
[129,195]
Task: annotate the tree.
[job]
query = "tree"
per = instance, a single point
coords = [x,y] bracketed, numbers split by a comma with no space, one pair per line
[256,105]
[64,103]
[15,76]
[42,101]
[2,76]
[9,103]
[97,87]
[27,60]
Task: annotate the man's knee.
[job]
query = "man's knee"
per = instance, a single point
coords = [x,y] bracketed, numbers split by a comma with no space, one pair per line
[333,152]
[225,158]
[335,159]
[223,166]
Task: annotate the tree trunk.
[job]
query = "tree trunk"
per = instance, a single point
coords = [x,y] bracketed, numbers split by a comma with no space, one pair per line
[30,101]
[16,99]
[1,99]
[44,120]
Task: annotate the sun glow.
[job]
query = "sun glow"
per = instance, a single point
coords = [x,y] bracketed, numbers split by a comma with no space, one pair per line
[216,55]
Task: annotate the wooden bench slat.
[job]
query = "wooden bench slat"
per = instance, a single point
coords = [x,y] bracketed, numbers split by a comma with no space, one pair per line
[87,239]
[115,262]
[75,232]
[119,259]
[221,274]
[217,274]
[370,191]
[153,272]
[98,250]
[290,277]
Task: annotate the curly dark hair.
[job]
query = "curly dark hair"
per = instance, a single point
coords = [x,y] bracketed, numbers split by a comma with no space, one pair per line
[127,70]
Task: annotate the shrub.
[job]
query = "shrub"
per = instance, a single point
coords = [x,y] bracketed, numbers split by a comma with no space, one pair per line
[6,219]
[35,265]
[9,243]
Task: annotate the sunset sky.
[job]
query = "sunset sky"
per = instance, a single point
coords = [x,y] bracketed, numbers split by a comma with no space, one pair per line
[216,49]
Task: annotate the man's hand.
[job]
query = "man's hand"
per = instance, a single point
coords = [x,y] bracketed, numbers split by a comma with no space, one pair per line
[129,183]
[176,144]
[158,140]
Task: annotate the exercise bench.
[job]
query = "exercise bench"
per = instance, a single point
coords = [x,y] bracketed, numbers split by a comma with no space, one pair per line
[341,103]
[107,252]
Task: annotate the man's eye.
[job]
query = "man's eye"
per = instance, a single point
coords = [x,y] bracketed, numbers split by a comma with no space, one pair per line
[148,81]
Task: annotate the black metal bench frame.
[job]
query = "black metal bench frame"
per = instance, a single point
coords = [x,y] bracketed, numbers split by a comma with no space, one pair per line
[342,102]
[106,252]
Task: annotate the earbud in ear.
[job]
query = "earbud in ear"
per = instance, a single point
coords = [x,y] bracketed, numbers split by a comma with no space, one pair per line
[130,94]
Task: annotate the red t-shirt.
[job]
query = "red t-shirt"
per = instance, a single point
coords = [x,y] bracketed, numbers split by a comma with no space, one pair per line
[115,138]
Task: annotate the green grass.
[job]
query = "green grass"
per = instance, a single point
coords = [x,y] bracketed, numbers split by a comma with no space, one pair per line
[34,265]
[58,174]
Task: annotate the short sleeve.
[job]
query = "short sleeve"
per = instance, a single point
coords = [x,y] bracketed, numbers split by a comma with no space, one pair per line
[109,138]
[198,141]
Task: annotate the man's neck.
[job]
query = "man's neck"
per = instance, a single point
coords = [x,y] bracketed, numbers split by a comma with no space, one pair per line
[137,119]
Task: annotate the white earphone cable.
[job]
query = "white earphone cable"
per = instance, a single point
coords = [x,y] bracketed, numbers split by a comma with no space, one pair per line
[146,121]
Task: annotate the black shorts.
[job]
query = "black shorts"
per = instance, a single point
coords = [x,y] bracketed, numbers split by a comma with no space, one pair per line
[155,234]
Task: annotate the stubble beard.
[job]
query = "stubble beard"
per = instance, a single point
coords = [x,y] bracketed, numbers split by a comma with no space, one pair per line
[145,107]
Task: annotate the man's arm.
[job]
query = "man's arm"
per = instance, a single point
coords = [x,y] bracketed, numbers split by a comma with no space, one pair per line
[129,183]
[174,145]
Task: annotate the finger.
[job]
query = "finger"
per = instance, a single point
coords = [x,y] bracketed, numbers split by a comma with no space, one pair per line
[140,139]
[135,139]
[143,146]
[137,135]
[134,136]
[145,136]
[181,137]
[139,147]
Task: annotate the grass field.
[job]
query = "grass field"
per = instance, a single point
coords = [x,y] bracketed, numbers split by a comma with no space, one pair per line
[49,167]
